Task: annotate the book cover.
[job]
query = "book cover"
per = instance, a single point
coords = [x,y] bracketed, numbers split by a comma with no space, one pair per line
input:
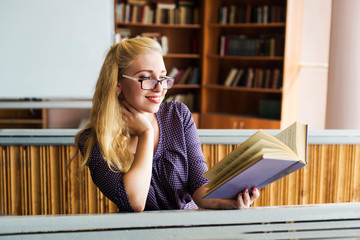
[259,161]
[230,77]
[238,77]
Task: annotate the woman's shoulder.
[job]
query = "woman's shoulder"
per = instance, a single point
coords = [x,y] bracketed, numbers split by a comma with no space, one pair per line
[83,135]
[174,106]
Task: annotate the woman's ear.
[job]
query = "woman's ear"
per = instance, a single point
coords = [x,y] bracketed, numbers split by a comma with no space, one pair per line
[118,90]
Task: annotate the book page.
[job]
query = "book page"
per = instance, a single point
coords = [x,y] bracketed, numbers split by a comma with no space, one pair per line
[226,161]
[248,155]
[295,137]
[263,153]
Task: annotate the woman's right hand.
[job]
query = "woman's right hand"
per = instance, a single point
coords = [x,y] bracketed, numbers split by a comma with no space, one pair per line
[136,122]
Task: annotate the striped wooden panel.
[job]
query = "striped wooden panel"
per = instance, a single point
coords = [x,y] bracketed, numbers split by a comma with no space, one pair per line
[37,180]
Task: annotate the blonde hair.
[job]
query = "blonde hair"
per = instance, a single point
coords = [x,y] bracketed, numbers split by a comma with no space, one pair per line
[107,126]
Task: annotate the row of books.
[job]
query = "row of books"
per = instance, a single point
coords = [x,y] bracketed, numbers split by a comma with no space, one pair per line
[161,12]
[123,33]
[270,78]
[240,45]
[188,99]
[252,14]
[189,75]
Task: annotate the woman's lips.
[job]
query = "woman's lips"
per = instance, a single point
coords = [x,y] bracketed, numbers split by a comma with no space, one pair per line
[154,99]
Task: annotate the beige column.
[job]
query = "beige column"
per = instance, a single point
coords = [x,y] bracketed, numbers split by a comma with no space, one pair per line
[343,100]
[306,62]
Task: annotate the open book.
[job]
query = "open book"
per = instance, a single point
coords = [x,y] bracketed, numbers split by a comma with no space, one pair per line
[259,161]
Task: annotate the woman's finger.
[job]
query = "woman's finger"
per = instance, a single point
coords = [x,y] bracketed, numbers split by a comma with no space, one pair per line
[254,194]
[239,201]
[246,197]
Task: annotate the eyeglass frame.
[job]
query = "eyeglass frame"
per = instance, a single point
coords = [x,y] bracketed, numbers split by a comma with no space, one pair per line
[156,84]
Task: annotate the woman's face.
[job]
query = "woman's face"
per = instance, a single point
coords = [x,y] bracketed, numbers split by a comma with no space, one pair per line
[146,66]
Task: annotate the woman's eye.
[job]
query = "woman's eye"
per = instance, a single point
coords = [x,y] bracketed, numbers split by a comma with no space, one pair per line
[144,77]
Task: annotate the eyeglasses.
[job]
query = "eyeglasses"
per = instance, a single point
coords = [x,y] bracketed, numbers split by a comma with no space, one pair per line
[150,84]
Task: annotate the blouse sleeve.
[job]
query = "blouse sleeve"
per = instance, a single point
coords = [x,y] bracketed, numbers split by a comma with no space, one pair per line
[109,183]
[197,163]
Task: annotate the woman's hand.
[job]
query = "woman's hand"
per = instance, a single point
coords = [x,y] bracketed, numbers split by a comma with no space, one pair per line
[136,122]
[242,201]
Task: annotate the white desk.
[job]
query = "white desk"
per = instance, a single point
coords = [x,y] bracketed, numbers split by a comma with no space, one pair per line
[327,221]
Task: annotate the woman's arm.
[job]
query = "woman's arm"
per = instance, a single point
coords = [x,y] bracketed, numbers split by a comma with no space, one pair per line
[243,200]
[137,179]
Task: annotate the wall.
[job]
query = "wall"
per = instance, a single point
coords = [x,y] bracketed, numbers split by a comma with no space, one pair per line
[314,63]
[343,110]
[53,49]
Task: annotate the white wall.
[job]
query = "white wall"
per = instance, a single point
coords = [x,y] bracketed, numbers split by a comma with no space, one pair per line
[53,49]
[314,63]
[343,110]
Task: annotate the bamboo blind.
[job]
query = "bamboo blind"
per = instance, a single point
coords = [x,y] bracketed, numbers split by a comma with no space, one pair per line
[38,180]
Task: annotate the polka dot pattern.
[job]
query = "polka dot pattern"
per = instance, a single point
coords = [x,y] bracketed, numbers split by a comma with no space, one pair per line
[178,164]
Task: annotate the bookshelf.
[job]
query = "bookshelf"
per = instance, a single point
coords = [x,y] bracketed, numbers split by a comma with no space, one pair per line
[248,36]
[22,117]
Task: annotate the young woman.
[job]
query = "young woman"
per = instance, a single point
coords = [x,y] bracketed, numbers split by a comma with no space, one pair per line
[144,154]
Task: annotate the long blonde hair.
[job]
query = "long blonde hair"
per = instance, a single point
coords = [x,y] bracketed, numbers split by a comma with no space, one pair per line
[107,126]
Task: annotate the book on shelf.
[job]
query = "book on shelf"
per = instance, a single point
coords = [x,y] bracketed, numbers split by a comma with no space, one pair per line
[249,78]
[162,39]
[164,44]
[187,13]
[223,15]
[173,72]
[189,75]
[134,11]
[176,12]
[185,75]
[238,78]
[249,13]
[178,75]
[120,12]
[259,161]
[241,45]
[195,76]
[188,99]
[230,76]
[269,78]
[165,12]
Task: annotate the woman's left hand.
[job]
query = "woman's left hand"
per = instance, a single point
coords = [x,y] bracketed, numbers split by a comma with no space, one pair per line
[242,201]
[245,199]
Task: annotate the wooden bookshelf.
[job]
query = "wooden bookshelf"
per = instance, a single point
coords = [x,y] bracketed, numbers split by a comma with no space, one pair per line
[22,118]
[239,106]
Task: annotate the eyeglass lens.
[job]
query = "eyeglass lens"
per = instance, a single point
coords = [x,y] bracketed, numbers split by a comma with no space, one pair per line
[152,83]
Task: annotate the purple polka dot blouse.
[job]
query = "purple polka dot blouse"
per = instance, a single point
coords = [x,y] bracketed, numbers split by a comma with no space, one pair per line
[178,164]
